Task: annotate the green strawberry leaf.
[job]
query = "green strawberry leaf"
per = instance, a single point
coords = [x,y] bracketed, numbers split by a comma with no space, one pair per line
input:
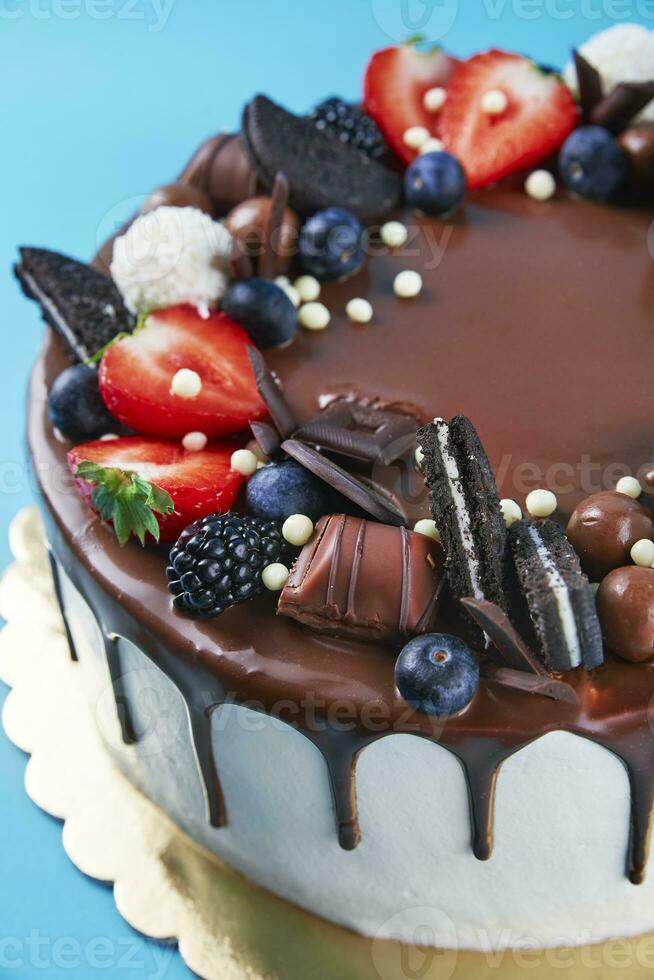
[141,321]
[126,500]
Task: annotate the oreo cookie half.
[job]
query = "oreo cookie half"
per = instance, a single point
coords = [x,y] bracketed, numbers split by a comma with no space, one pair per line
[321,171]
[82,305]
[466,509]
[558,595]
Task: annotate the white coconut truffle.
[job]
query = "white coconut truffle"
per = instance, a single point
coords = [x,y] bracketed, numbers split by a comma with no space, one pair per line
[622,53]
[172,255]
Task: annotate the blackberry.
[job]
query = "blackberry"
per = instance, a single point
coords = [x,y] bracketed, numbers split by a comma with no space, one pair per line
[350,125]
[217,562]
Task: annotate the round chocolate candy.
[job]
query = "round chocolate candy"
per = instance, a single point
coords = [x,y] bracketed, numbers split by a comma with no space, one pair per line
[625,605]
[604,528]
[249,221]
[638,143]
[178,196]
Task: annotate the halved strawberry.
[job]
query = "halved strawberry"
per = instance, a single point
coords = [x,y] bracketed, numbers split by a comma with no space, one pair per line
[540,115]
[136,374]
[151,486]
[394,86]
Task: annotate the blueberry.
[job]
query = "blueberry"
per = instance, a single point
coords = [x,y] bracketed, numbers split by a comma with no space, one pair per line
[437,673]
[331,244]
[76,407]
[435,183]
[280,489]
[263,309]
[592,164]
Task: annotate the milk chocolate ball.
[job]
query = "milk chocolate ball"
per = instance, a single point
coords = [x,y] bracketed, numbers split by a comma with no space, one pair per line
[603,529]
[638,143]
[178,196]
[625,605]
[248,222]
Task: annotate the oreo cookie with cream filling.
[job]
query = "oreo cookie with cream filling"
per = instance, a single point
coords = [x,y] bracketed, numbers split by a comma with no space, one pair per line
[83,306]
[466,509]
[321,170]
[558,595]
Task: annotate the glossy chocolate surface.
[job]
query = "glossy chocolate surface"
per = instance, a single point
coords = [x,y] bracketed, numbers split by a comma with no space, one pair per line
[603,529]
[625,603]
[537,323]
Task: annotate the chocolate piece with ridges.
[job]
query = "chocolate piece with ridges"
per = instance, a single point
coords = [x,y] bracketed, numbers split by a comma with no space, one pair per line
[364,580]
[83,306]
[560,601]
[278,408]
[222,170]
[321,171]
[520,680]
[267,438]
[465,507]
[361,432]
[505,637]
[360,493]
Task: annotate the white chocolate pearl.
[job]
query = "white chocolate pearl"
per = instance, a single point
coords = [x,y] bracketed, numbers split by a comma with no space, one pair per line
[394,234]
[432,145]
[494,102]
[427,527]
[244,461]
[293,295]
[194,442]
[314,316]
[630,486]
[415,136]
[407,284]
[275,576]
[541,503]
[540,185]
[255,448]
[419,457]
[359,310]
[510,511]
[434,99]
[186,384]
[297,529]
[282,281]
[308,288]
[642,553]
[109,437]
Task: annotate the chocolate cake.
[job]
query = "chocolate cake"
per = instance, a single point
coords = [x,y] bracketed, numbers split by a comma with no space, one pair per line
[505,783]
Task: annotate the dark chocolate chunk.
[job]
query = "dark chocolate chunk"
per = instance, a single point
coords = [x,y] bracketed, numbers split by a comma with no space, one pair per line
[622,104]
[278,408]
[240,263]
[82,305]
[361,432]
[466,509]
[548,687]
[279,200]
[360,493]
[560,601]
[364,580]
[321,171]
[589,83]
[503,634]
[267,438]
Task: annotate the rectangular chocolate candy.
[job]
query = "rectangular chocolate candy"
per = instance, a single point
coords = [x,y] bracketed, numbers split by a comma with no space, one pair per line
[365,580]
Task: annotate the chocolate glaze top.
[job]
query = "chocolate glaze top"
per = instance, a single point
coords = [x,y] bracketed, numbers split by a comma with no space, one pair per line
[536,323]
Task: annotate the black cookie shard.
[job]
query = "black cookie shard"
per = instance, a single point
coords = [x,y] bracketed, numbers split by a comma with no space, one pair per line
[321,171]
[83,306]
[466,509]
[559,597]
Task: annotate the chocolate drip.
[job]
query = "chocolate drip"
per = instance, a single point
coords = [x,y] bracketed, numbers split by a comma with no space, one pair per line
[481,772]
[341,766]
[123,709]
[200,725]
[60,602]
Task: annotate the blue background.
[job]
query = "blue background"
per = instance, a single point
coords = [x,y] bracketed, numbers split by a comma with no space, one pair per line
[100,100]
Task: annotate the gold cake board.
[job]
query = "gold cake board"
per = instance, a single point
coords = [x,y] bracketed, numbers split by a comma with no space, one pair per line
[167,888]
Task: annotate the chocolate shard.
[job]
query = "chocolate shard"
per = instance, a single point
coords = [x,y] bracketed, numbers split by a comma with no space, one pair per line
[240,263]
[361,432]
[548,687]
[278,204]
[363,580]
[622,104]
[267,437]
[364,496]
[589,83]
[504,636]
[279,409]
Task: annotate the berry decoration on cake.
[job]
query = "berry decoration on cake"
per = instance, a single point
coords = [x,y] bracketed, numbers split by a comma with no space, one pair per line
[349,124]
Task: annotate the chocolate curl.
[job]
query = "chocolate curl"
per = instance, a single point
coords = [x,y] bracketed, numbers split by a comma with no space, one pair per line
[267,438]
[617,109]
[546,686]
[349,486]
[240,263]
[279,202]
[589,83]
[366,434]
[506,639]
[278,408]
